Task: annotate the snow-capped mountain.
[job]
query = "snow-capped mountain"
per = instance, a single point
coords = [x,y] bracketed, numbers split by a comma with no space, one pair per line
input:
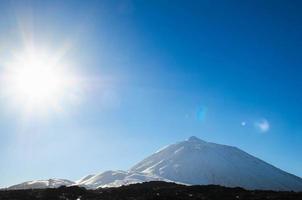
[40,184]
[192,161]
[195,161]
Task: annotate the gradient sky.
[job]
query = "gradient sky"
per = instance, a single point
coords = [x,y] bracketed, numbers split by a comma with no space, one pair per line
[154,73]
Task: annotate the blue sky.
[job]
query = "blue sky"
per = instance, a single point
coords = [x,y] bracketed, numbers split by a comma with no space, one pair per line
[156,72]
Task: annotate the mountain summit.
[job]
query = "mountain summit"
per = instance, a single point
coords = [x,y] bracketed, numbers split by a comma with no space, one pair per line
[194,139]
[197,162]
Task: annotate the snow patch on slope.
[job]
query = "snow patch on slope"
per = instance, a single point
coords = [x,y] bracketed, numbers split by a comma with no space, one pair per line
[41,184]
[116,179]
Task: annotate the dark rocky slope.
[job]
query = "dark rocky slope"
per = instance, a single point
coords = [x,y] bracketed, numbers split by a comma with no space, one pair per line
[148,191]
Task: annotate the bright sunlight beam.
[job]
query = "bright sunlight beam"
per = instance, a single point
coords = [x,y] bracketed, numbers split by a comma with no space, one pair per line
[38,81]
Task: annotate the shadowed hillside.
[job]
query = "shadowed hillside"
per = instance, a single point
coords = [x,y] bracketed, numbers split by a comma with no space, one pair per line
[144,191]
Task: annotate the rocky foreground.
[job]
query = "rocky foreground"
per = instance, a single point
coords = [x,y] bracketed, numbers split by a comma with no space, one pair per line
[149,190]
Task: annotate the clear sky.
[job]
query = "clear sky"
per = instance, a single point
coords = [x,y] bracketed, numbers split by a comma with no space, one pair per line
[152,73]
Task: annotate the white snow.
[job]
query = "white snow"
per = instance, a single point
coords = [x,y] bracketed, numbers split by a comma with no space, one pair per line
[40,184]
[117,178]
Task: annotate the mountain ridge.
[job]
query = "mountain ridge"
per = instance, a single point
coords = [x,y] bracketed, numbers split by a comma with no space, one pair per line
[196,162]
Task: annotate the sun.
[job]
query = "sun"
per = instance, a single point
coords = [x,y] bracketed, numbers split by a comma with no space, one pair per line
[36,80]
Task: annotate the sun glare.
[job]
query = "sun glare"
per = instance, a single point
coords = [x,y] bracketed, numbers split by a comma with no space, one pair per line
[37,81]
